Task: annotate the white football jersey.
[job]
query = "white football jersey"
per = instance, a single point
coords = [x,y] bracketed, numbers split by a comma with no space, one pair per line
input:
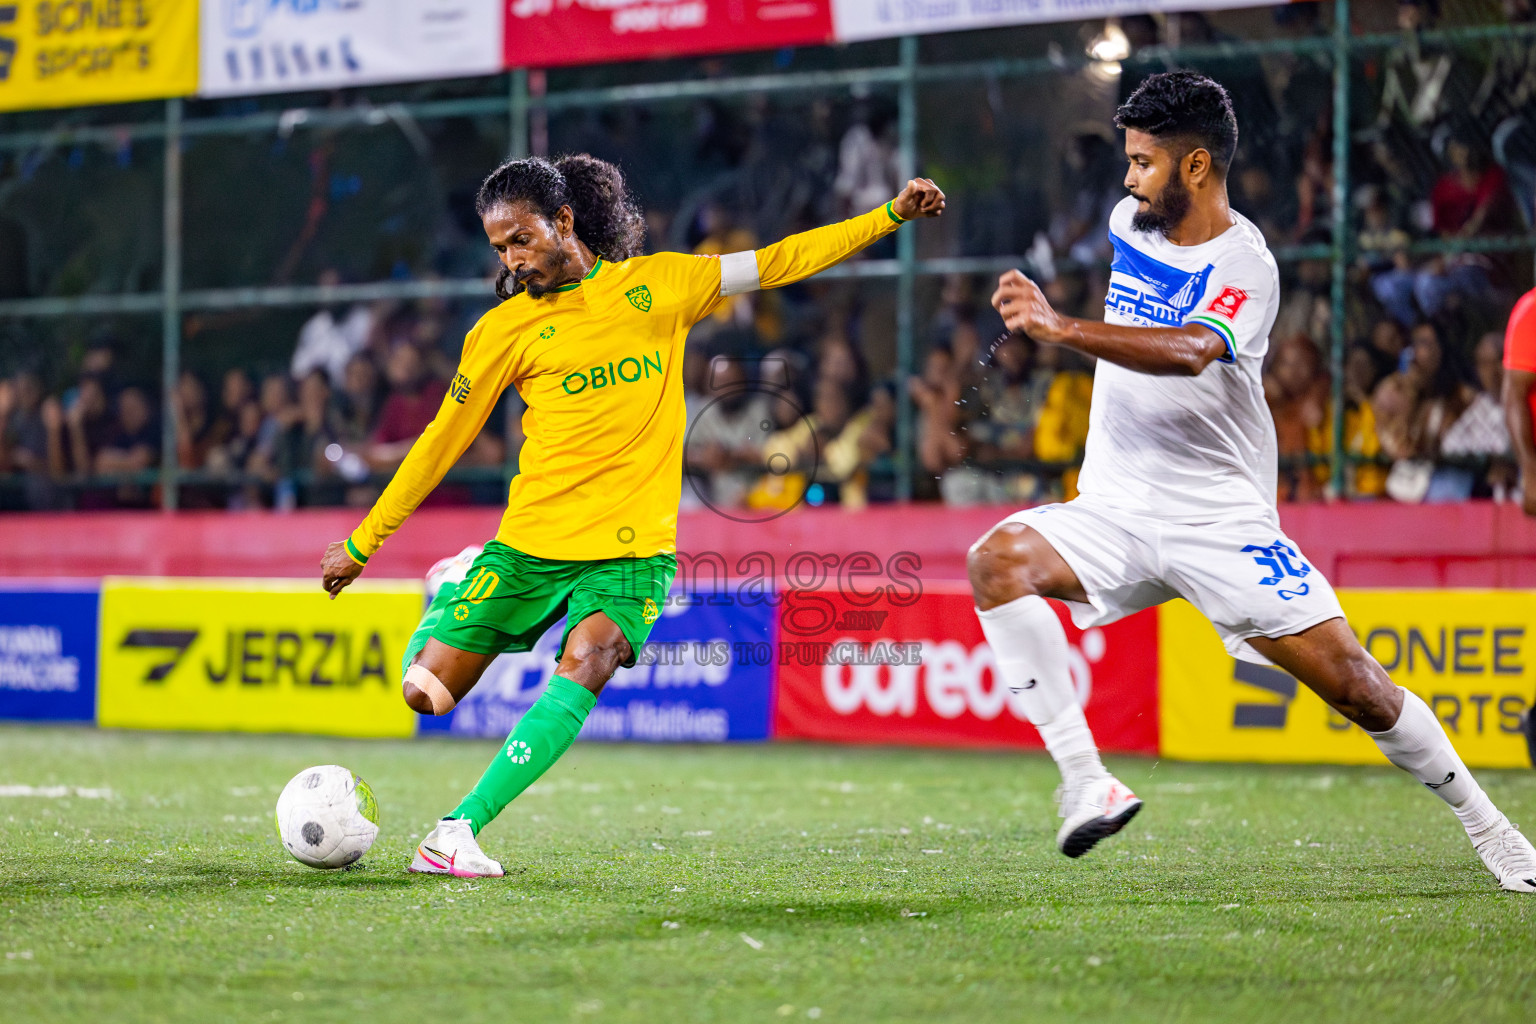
[1186,449]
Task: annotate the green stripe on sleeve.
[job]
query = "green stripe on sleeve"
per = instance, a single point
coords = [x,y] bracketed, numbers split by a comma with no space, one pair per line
[1222,331]
[890,211]
[354,554]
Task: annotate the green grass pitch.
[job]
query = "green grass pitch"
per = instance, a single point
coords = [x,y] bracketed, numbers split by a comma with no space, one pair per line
[672,884]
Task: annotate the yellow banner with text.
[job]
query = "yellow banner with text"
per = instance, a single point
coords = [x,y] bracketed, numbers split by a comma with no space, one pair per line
[255,656]
[58,53]
[1468,654]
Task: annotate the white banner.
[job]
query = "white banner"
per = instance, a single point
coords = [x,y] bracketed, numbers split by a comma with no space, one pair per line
[252,46]
[880,19]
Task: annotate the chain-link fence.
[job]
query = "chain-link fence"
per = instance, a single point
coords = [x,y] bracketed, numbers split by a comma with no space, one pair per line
[243,303]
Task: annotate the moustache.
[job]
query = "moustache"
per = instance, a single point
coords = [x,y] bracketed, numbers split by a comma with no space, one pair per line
[523,275]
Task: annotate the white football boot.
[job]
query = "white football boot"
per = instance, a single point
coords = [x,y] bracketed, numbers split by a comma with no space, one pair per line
[450,849]
[1511,858]
[1094,810]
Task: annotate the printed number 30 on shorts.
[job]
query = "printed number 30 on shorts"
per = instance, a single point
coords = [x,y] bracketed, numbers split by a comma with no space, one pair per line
[1281,562]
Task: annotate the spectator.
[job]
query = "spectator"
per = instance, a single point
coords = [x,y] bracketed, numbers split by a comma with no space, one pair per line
[1384,259]
[134,439]
[726,437]
[1471,198]
[849,454]
[1504,102]
[1062,429]
[831,447]
[1364,477]
[303,445]
[358,401]
[32,438]
[1079,229]
[194,425]
[1387,345]
[941,443]
[1006,428]
[1296,388]
[89,424]
[1414,407]
[1422,84]
[1478,433]
[867,173]
[234,393]
[132,446]
[238,457]
[841,362]
[413,400]
[278,415]
[331,337]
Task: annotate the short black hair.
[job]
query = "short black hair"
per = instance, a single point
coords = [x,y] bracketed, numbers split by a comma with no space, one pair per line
[1184,105]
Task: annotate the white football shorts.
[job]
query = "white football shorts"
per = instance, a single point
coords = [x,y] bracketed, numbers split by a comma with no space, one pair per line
[1244,574]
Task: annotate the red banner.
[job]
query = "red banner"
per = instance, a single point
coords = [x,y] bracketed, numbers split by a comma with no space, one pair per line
[548,33]
[923,674]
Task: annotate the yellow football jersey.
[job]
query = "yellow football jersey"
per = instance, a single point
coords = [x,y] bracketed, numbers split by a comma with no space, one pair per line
[599,364]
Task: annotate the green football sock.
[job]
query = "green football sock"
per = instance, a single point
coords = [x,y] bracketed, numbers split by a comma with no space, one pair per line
[541,737]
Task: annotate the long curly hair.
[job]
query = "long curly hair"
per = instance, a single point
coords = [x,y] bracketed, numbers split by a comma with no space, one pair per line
[608,219]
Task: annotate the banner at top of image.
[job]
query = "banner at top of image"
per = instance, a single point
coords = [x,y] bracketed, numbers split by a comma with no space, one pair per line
[61,53]
[545,33]
[257,46]
[881,19]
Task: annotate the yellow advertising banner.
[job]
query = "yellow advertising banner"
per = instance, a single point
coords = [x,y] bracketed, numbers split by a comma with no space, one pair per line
[255,656]
[61,53]
[1468,654]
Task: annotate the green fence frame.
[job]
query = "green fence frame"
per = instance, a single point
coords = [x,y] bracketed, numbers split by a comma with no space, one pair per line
[517,102]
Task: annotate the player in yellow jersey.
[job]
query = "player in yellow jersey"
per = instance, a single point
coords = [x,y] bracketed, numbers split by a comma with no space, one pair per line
[591,335]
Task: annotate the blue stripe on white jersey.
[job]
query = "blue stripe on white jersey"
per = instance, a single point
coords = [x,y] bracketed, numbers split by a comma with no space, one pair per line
[1148,291]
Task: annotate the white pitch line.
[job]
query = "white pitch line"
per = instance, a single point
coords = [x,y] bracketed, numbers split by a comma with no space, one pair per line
[57,792]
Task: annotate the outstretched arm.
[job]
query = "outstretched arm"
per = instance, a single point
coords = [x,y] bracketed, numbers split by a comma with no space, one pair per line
[810,252]
[465,408]
[1163,351]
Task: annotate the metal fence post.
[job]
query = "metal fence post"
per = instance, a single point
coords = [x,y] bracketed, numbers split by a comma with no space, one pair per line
[517,113]
[906,254]
[170,305]
[1338,293]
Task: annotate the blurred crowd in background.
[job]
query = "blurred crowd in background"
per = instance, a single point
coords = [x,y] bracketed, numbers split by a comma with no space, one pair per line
[794,394]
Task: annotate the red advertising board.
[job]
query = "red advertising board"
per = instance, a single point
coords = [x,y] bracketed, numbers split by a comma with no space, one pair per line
[923,674]
[548,33]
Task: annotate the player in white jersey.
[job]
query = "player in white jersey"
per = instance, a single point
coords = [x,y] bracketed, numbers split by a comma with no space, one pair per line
[1178,483]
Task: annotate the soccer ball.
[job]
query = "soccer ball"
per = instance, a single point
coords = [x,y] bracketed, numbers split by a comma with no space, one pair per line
[327,817]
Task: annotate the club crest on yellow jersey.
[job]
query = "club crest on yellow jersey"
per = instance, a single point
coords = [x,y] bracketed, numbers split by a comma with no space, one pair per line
[548,332]
[639,297]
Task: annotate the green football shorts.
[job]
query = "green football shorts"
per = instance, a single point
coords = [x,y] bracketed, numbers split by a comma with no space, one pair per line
[509,599]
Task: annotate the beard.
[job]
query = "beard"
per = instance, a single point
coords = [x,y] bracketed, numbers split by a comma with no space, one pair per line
[1166,211]
[552,273]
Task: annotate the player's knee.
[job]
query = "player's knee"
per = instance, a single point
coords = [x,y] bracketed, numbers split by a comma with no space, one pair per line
[425,693]
[1367,696]
[999,566]
[590,662]
[419,702]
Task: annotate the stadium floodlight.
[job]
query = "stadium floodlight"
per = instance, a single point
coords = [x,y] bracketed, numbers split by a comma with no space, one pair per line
[1111,45]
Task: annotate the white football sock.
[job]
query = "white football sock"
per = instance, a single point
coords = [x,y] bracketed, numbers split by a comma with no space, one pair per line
[1031,651]
[1419,746]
